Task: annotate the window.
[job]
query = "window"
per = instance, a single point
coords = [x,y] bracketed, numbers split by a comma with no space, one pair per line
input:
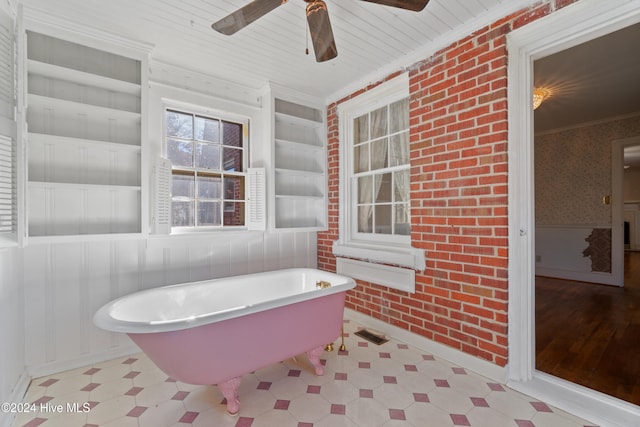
[375,222]
[380,172]
[208,156]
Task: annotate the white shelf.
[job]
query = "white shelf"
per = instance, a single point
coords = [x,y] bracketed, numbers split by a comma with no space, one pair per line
[299,196]
[81,186]
[84,152]
[299,165]
[297,145]
[80,77]
[297,121]
[42,138]
[69,108]
[299,172]
[35,240]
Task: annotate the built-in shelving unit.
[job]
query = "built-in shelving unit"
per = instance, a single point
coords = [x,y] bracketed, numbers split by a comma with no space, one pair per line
[299,165]
[84,113]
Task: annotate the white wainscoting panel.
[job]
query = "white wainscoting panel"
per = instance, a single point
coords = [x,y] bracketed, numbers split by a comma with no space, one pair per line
[559,253]
[65,283]
[13,376]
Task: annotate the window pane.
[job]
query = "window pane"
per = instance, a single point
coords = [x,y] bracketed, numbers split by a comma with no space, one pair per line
[182,185]
[379,123]
[233,213]
[234,188]
[399,149]
[208,156]
[383,219]
[361,129]
[232,134]
[179,125]
[208,213]
[382,188]
[402,225]
[365,219]
[379,151]
[180,153]
[361,158]
[365,189]
[232,159]
[207,129]
[182,214]
[399,115]
[209,187]
[401,186]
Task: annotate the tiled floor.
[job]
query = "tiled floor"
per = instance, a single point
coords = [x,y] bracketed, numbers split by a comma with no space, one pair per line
[368,386]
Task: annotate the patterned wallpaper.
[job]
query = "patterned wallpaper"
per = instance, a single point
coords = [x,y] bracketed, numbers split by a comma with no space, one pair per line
[573,172]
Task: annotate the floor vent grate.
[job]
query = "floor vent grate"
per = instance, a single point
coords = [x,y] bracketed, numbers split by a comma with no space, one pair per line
[371,337]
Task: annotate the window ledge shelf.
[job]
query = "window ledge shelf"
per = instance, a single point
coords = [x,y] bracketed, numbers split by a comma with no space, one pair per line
[403,256]
[402,279]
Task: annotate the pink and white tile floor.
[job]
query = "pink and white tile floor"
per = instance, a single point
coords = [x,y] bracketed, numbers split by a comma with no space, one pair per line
[389,385]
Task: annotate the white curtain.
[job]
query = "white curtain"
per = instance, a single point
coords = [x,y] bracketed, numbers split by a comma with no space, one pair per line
[401,189]
[368,188]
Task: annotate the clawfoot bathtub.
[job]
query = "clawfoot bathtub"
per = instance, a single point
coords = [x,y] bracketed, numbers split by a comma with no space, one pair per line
[215,331]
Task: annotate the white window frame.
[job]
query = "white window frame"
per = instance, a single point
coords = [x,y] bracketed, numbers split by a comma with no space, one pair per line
[222,116]
[386,249]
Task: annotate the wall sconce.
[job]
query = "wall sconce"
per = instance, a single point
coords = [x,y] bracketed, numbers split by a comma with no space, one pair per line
[539,95]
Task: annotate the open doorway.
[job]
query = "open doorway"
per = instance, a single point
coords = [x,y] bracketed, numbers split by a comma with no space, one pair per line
[586,332]
[581,22]
[630,195]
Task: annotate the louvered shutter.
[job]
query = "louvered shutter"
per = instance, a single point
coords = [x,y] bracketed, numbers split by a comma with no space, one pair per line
[162,196]
[8,217]
[257,218]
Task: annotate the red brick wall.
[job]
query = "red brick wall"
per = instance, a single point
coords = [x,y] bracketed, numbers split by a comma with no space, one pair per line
[458,114]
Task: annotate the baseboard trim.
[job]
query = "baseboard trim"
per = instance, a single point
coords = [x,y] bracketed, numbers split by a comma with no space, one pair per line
[42,370]
[17,395]
[580,276]
[464,360]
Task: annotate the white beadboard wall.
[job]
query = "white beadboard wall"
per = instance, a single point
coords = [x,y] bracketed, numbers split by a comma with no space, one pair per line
[13,378]
[65,283]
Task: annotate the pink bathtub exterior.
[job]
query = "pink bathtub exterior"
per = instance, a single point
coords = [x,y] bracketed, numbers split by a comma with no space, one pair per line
[217,352]
[215,331]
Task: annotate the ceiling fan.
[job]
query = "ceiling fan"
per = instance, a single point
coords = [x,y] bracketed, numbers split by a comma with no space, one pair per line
[324,44]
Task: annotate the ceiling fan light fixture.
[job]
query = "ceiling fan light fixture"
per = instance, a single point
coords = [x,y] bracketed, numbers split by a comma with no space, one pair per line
[539,95]
[322,38]
[316,6]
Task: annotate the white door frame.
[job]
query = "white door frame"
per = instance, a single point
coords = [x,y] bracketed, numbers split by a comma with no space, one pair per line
[617,208]
[575,24]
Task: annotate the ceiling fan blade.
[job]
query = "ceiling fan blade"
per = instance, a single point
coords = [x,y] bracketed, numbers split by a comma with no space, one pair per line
[414,5]
[324,44]
[245,16]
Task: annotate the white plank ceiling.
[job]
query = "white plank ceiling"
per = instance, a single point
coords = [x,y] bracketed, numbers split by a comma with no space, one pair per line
[372,40]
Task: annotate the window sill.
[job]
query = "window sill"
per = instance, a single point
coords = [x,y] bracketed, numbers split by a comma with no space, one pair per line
[402,279]
[190,231]
[402,256]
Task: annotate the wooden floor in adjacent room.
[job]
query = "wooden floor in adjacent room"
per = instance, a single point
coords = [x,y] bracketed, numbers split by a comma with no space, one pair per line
[590,334]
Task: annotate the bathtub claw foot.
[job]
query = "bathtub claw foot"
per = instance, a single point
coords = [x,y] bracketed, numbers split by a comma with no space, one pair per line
[229,390]
[314,358]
